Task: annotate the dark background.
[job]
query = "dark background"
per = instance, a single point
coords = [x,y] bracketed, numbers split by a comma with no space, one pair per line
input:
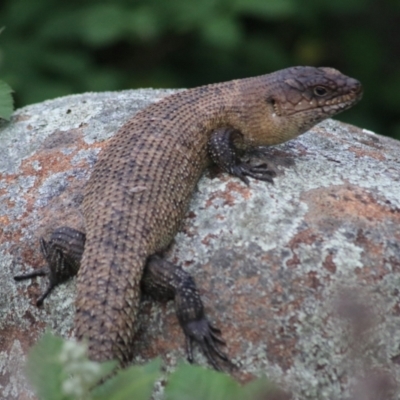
[51,48]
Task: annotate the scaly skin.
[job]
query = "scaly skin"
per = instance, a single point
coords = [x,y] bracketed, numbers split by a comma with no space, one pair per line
[142,183]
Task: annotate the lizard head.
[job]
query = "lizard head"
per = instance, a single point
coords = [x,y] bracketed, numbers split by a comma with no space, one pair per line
[308,95]
[282,105]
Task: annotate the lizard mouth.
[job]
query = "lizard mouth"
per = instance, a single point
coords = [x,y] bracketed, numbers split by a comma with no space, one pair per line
[344,101]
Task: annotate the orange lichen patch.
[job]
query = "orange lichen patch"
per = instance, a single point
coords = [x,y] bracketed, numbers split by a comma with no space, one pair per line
[329,264]
[149,344]
[396,309]
[313,280]
[282,349]
[286,307]
[188,230]
[9,236]
[3,191]
[21,118]
[337,137]
[206,240]
[236,186]
[10,202]
[31,293]
[4,220]
[252,329]
[324,132]
[191,215]
[376,270]
[229,194]
[372,153]
[307,236]
[54,159]
[239,310]
[33,255]
[282,341]
[343,202]
[9,334]
[13,236]
[329,209]
[243,377]
[373,248]
[54,156]
[395,263]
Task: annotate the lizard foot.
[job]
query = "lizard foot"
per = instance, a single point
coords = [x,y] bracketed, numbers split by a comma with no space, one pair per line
[63,253]
[208,338]
[163,280]
[40,272]
[223,151]
[260,171]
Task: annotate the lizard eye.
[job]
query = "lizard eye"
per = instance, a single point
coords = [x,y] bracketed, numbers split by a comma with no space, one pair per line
[320,91]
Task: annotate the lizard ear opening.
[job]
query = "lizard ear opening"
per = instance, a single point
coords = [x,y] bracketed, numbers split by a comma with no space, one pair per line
[272,102]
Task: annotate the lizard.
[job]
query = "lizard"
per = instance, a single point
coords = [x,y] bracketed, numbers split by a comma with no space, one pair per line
[141,185]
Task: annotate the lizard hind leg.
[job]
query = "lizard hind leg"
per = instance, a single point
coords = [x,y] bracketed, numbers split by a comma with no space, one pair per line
[164,281]
[224,153]
[63,254]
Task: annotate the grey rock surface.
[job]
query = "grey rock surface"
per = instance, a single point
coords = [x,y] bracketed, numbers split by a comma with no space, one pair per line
[301,276]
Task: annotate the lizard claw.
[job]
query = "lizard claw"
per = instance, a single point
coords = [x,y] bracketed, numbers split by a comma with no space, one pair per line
[207,336]
[260,172]
[45,271]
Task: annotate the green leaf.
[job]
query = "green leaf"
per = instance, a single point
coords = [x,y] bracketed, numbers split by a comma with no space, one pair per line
[6,101]
[197,383]
[136,382]
[59,369]
[263,389]
[43,368]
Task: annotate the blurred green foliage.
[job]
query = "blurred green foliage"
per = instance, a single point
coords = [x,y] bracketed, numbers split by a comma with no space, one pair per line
[52,48]
[59,369]
[6,101]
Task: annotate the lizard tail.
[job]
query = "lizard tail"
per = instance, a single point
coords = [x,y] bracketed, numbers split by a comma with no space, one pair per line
[106,308]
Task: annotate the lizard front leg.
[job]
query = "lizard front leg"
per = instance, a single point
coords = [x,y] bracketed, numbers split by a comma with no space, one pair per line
[223,152]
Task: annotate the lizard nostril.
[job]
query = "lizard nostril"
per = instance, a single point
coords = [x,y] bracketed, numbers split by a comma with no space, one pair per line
[356,87]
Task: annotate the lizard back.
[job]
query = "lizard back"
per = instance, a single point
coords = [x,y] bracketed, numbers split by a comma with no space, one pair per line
[133,205]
